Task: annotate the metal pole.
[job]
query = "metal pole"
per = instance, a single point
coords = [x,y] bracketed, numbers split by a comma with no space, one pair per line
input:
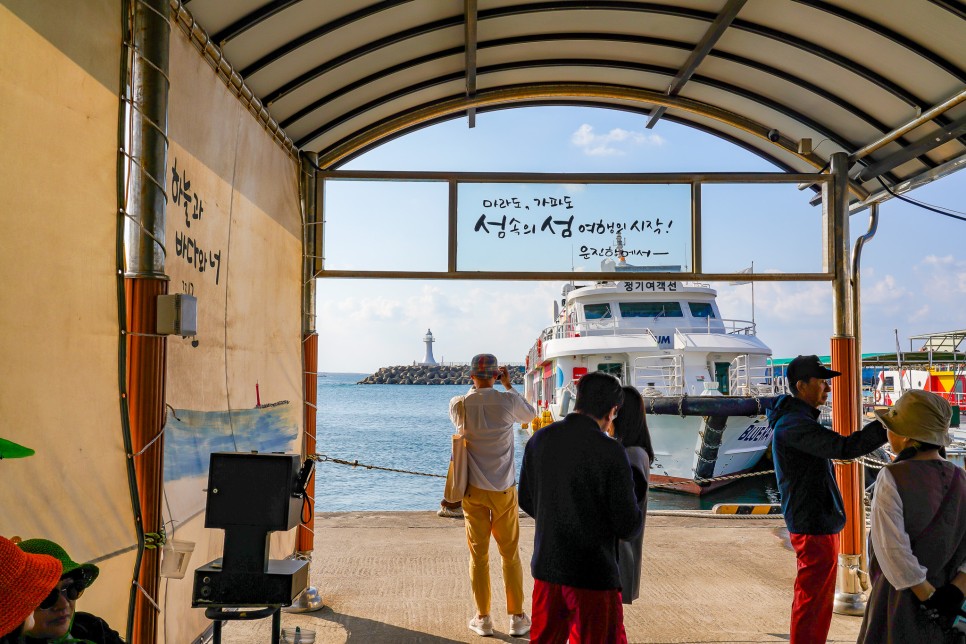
[145,147]
[696,251]
[309,599]
[753,297]
[147,140]
[857,316]
[849,599]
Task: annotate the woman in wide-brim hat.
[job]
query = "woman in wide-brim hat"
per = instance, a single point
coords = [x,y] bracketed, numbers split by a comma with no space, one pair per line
[26,580]
[918,528]
[59,621]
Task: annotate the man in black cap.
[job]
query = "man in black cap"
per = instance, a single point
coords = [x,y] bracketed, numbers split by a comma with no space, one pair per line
[811,502]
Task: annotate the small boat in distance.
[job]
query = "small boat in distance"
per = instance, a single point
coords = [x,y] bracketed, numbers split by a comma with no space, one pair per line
[668,340]
[938,366]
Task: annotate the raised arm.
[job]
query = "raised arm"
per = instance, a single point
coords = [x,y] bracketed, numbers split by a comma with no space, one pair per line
[814,439]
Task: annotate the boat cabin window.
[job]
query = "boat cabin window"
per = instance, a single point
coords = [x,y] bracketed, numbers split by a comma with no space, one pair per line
[889,383]
[596,311]
[701,309]
[651,310]
[615,369]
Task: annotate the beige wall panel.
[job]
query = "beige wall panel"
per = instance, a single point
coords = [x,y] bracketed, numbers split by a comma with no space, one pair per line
[58,292]
[241,214]
[184,625]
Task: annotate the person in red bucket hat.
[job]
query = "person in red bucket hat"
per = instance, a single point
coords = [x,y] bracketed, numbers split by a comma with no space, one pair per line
[26,582]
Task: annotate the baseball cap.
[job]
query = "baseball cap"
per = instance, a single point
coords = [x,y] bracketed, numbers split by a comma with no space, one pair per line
[805,367]
[484,365]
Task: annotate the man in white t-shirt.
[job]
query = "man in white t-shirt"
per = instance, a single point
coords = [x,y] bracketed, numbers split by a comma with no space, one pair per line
[490,502]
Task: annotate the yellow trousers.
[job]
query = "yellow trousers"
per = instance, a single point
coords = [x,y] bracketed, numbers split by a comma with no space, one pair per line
[486,512]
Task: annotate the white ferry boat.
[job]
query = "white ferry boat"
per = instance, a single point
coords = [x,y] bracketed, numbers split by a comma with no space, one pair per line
[669,340]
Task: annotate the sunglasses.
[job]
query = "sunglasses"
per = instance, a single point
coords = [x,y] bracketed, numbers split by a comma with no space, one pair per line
[71,590]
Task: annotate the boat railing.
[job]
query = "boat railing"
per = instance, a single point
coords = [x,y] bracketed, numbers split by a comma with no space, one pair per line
[632,326]
[748,378]
[628,328]
[659,375]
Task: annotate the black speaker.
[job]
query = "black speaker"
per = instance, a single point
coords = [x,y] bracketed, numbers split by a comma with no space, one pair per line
[251,495]
[251,489]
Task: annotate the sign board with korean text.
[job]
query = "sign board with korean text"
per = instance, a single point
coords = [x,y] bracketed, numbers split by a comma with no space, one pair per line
[676,227]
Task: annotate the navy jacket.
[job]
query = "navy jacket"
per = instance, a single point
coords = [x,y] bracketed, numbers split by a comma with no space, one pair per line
[576,483]
[802,447]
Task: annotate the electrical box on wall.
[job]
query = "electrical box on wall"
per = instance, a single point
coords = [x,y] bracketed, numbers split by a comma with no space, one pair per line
[178,315]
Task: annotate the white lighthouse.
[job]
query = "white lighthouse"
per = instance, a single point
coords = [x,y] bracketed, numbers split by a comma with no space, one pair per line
[429,340]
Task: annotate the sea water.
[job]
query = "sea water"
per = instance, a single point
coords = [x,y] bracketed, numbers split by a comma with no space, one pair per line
[407,427]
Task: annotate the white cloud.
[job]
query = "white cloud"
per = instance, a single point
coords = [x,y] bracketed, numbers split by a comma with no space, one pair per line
[612,143]
[885,291]
[921,315]
[932,260]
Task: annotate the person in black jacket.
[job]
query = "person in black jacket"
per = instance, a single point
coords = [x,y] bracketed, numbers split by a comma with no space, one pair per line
[811,502]
[59,621]
[576,483]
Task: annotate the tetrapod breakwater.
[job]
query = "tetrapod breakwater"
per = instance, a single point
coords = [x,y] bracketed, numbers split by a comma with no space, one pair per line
[431,375]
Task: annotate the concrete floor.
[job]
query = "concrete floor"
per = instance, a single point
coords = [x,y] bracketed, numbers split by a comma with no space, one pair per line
[402,577]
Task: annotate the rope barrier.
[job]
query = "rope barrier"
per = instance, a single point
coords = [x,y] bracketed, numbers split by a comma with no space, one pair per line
[324,458]
[711,480]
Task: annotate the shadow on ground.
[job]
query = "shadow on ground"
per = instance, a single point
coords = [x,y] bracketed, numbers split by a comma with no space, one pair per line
[360,630]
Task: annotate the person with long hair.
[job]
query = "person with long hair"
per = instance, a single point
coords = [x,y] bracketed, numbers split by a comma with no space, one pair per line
[918,529]
[630,429]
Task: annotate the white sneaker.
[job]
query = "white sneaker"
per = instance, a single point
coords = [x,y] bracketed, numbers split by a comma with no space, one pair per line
[519,625]
[453,513]
[482,625]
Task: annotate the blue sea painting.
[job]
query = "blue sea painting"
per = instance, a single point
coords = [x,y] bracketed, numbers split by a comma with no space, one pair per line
[191,436]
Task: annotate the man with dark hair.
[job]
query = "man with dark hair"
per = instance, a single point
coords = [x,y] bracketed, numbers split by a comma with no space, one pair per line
[576,483]
[811,502]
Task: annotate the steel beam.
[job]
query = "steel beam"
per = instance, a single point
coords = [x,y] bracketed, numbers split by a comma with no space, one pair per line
[469,13]
[560,276]
[931,114]
[718,26]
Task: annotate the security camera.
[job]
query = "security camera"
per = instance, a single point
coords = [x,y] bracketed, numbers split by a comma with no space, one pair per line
[774,135]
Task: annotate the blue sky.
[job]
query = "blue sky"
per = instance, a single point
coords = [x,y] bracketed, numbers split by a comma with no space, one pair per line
[913,272]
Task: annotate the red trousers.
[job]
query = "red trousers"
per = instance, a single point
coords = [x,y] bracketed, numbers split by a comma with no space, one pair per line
[814,586]
[585,616]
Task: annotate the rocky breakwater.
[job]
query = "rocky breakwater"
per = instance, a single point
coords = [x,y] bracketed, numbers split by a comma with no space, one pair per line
[431,375]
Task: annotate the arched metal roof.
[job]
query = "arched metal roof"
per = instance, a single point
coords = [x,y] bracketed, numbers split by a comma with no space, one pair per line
[770,75]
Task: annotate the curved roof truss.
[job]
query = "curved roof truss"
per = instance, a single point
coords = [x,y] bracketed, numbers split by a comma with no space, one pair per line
[793,80]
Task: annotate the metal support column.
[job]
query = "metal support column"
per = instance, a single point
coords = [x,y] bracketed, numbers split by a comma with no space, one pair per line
[310,599]
[863,562]
[849,599]
[145,149]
